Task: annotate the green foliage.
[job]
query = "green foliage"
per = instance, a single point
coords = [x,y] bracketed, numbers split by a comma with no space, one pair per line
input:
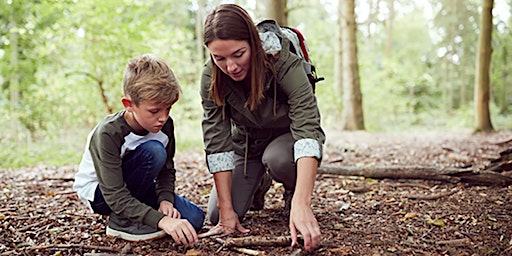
[70,56]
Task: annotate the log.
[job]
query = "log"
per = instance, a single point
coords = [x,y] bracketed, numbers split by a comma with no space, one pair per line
[452,175]
[391,172]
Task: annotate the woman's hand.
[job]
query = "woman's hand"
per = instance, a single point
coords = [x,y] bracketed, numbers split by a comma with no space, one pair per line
[302,220]
[301,216]
[180,230]
[228,223]
[168,209]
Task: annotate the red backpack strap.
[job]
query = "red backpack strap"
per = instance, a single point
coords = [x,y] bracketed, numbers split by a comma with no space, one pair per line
[302,42]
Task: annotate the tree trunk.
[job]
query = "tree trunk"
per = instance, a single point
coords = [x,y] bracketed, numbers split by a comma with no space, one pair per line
[276,10]
[483,61]
[389,26]
[14,81]
[352,116]
[338,54]
[199,31]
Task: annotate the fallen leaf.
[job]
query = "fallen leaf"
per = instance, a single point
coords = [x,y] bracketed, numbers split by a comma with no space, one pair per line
[410,215]
[439,223]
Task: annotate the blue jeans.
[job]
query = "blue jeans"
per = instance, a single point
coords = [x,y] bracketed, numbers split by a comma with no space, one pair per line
[140,168]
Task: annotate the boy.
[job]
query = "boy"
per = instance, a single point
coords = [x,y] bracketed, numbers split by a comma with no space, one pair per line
[127,169]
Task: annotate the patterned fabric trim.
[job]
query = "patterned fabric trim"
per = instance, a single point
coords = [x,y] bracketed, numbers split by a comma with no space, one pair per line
[221,161]
[306,148]
[270,42]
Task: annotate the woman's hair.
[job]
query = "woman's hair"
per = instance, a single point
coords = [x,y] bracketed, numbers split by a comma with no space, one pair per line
[149,78]
[232,22]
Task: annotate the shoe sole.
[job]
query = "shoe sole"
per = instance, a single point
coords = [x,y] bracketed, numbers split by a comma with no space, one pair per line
[134,238]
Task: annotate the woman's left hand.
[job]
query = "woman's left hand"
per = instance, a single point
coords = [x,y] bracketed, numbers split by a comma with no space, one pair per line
[302,220]
[168,209]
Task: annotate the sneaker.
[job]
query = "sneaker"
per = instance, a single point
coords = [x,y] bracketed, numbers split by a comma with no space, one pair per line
[287,198]
[258,200]
[131,231]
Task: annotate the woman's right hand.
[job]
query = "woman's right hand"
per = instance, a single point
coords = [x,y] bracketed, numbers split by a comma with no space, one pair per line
[180,230]
[228,223]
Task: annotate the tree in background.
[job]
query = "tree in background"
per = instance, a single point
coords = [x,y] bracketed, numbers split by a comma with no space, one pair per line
[352,115]
[24,27]
[276,10]
[483,62]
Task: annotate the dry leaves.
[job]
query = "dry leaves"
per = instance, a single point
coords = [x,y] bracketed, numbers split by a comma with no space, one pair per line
[40,215]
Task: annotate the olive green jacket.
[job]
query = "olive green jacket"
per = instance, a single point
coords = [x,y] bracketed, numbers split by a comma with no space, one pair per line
[289,106]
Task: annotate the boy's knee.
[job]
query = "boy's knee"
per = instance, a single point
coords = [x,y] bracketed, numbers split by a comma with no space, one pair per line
[197,221]
[155,150]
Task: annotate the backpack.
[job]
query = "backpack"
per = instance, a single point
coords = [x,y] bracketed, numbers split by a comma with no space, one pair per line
[297,46]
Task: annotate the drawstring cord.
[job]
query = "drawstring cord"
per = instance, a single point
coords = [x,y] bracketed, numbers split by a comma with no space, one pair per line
[275,97]
[246,152]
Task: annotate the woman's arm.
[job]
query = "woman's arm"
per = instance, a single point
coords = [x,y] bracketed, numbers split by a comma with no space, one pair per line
[301,215]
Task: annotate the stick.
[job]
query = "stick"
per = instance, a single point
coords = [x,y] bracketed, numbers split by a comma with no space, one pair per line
[434,196]
[455,242]
[209,233]
[258,241]
[25,228]
[70,246]
[241,250]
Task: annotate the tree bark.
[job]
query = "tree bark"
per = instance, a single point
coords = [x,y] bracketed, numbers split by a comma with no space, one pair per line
[452,175]
[483,62]
[338,54]
[199,31]
[389,27]
[276,10]
[352,115]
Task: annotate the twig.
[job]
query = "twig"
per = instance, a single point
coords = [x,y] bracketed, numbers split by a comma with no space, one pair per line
[64,192]
[237,249]
[25,228]
[70,246]
[434,196]
[258,241]
[411,185]
[209,233]
[454,242]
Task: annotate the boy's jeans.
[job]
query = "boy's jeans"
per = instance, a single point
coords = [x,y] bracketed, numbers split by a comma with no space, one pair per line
[140,168]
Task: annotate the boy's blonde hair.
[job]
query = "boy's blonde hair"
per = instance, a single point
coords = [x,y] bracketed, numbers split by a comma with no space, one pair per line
[149,78]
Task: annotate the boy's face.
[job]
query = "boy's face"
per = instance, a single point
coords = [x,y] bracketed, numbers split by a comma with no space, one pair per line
[147,116]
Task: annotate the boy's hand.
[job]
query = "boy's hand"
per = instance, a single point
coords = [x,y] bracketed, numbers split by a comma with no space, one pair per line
[180,230]
[168,209]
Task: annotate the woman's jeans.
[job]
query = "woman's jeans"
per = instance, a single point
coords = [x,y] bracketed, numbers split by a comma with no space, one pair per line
[140,168]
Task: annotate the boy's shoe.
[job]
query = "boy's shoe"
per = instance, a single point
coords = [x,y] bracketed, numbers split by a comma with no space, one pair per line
[131,231]
[258,200]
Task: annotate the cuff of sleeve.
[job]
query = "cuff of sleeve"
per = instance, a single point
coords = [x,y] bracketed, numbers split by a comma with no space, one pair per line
[306,148]
[152,218]
[166,196]
[221,161]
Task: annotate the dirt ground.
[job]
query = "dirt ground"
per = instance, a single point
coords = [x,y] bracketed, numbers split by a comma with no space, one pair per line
[40,214]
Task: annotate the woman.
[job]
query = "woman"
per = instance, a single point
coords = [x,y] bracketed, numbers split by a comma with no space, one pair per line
[259,115]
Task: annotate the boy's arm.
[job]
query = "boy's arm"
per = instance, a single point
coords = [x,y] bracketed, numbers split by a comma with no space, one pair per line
[105,150]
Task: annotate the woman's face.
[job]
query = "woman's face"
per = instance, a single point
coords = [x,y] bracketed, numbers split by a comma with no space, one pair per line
[233,57]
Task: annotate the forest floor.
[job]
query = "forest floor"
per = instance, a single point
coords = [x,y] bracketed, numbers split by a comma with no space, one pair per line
[40,214]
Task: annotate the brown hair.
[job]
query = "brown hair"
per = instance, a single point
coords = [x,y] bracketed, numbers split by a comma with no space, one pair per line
[232,22]
[149,78]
